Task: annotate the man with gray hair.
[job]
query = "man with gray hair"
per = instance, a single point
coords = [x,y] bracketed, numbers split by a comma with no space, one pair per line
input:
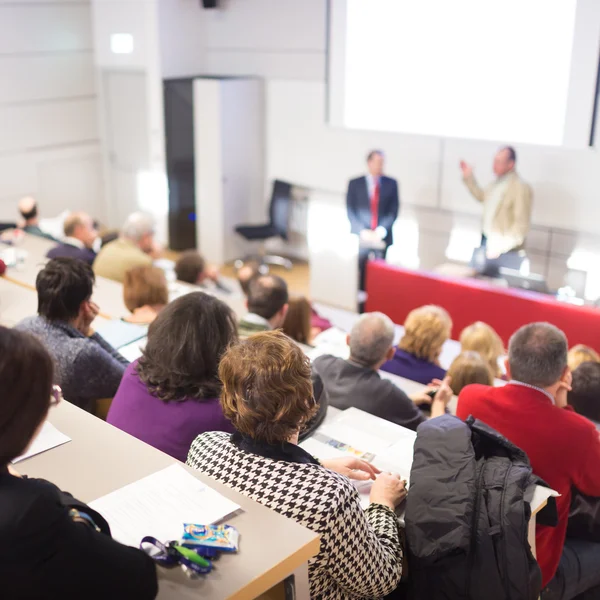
[135,247]
[356,382]
[563,447]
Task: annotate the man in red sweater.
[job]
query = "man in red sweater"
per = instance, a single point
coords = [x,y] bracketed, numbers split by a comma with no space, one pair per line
[563,447]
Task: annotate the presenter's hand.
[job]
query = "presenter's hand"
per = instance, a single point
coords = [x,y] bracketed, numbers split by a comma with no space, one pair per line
[467,169]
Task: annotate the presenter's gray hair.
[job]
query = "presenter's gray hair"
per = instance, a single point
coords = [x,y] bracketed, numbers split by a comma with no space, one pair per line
[138,225]
[371,337]
[537,354]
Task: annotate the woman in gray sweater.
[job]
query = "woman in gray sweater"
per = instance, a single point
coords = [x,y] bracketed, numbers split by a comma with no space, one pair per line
[86,366]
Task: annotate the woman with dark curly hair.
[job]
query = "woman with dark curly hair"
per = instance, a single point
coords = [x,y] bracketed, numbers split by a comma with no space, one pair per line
[171,394]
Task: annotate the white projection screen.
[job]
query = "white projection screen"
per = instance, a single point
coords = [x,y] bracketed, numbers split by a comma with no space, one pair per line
[521,71]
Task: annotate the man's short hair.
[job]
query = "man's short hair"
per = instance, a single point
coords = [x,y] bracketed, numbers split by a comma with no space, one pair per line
[190,266]
[137,226]
[512,153]
[28,208]
[371,338]
[374,153]
[72,222]
[246,273]
[537,354]
[62,285]
[267,295]
[584,396]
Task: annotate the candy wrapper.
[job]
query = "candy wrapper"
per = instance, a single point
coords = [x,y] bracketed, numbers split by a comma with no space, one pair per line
[214,537]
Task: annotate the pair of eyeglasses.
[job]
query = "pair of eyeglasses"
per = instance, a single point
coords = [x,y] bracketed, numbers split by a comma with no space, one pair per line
[56,395]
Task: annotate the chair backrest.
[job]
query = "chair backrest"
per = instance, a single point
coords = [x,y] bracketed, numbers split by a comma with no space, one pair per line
[279,210]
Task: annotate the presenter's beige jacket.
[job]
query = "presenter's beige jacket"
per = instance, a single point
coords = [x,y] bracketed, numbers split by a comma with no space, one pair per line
[512,220]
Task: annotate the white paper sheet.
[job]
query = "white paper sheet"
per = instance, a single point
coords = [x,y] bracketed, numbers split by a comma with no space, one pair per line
[133,351]
[49,437]
[159,504]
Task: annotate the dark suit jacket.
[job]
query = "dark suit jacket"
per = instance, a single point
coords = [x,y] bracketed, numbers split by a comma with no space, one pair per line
[45,554]
[358,204]
[69,251]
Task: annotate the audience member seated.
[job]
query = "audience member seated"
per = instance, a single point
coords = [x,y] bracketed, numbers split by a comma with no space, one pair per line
[297,322]
[135,247]
[145,293]
[171,394]
[87,367]
[50,545]
[584,395]
[80,235]
[29,212]
[480,337]
[268,396]
[579,354]
[192,268]
[245,273]
[467,368]
[267,304]
[563,447]
[356,383]
[426,330]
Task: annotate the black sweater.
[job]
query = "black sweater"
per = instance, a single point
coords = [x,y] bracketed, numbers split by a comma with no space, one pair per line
[45,554]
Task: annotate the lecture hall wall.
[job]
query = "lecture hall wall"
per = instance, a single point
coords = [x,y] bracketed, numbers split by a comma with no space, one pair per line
[49,145]
[284,41]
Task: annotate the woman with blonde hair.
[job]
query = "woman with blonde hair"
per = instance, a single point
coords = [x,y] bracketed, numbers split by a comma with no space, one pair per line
[580,354]
[145,293]
[467,368]
[480,337]
[426,330]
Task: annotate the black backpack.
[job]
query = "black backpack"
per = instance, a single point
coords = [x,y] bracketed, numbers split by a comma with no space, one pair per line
[466,516]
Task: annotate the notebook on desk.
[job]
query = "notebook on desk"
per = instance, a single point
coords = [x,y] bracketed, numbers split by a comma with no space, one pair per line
[120,333]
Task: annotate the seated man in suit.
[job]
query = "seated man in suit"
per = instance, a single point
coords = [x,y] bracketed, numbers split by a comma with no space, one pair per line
[373,204]
[563,447]
[356,382]
[267,304]
[135,247]
[80,236]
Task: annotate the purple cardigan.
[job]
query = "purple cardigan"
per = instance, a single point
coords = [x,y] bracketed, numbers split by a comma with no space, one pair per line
[410,367]
[168,426]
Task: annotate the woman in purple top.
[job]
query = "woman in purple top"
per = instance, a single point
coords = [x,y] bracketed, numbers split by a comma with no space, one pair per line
[171,395]
[426,330]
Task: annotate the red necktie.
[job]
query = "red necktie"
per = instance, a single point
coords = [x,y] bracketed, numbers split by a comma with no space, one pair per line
[375,207]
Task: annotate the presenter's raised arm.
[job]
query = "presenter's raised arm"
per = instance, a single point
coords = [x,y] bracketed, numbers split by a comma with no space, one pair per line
[469,179]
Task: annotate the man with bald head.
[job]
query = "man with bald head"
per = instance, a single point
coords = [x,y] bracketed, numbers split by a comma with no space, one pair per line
[80,235]
[356,382]
[29,212]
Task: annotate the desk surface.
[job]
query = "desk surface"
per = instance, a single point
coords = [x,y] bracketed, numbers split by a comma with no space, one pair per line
[101,459]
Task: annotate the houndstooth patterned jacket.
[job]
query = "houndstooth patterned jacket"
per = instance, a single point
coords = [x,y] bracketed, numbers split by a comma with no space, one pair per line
[360,555]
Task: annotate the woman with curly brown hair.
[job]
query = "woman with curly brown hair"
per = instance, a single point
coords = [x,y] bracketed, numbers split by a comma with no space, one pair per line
[426,330]
[268,395]
[171,394]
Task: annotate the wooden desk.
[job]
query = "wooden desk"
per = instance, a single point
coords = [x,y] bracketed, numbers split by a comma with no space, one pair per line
[101,459]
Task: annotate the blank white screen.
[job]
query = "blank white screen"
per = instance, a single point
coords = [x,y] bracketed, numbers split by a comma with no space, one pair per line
[460,68]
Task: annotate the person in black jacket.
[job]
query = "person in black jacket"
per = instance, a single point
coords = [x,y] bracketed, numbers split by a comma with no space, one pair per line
[48,550]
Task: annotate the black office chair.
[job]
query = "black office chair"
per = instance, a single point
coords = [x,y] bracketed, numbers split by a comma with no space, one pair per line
[278,226]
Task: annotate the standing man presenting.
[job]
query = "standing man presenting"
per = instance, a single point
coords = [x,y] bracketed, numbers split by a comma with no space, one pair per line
[373,204]
[506,202]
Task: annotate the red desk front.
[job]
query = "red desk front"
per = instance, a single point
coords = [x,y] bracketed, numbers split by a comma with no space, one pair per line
[396,291]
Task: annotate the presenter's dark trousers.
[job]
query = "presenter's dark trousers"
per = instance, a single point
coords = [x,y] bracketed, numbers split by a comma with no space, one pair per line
[364,255]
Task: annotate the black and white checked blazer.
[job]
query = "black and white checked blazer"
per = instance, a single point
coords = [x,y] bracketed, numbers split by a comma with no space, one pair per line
[360,555]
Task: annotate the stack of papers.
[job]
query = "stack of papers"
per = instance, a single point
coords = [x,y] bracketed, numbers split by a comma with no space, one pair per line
[49,437]
[159,505]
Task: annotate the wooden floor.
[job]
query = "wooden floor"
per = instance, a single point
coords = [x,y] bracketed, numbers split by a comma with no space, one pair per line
[298,279]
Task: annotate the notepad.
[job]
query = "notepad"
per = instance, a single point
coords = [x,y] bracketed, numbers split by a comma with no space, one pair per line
[49,437]
[120,333]
[159,505]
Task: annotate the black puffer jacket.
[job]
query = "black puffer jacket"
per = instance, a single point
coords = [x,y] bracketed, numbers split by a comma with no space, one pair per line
[466,516]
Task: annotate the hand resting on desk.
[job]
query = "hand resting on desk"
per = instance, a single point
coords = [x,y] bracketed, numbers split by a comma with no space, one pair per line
[352,468]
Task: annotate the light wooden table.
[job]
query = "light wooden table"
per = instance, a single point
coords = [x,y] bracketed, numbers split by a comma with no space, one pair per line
[101,458]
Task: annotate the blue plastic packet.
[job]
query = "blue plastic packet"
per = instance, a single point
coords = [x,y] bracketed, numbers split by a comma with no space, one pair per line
[210,537]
